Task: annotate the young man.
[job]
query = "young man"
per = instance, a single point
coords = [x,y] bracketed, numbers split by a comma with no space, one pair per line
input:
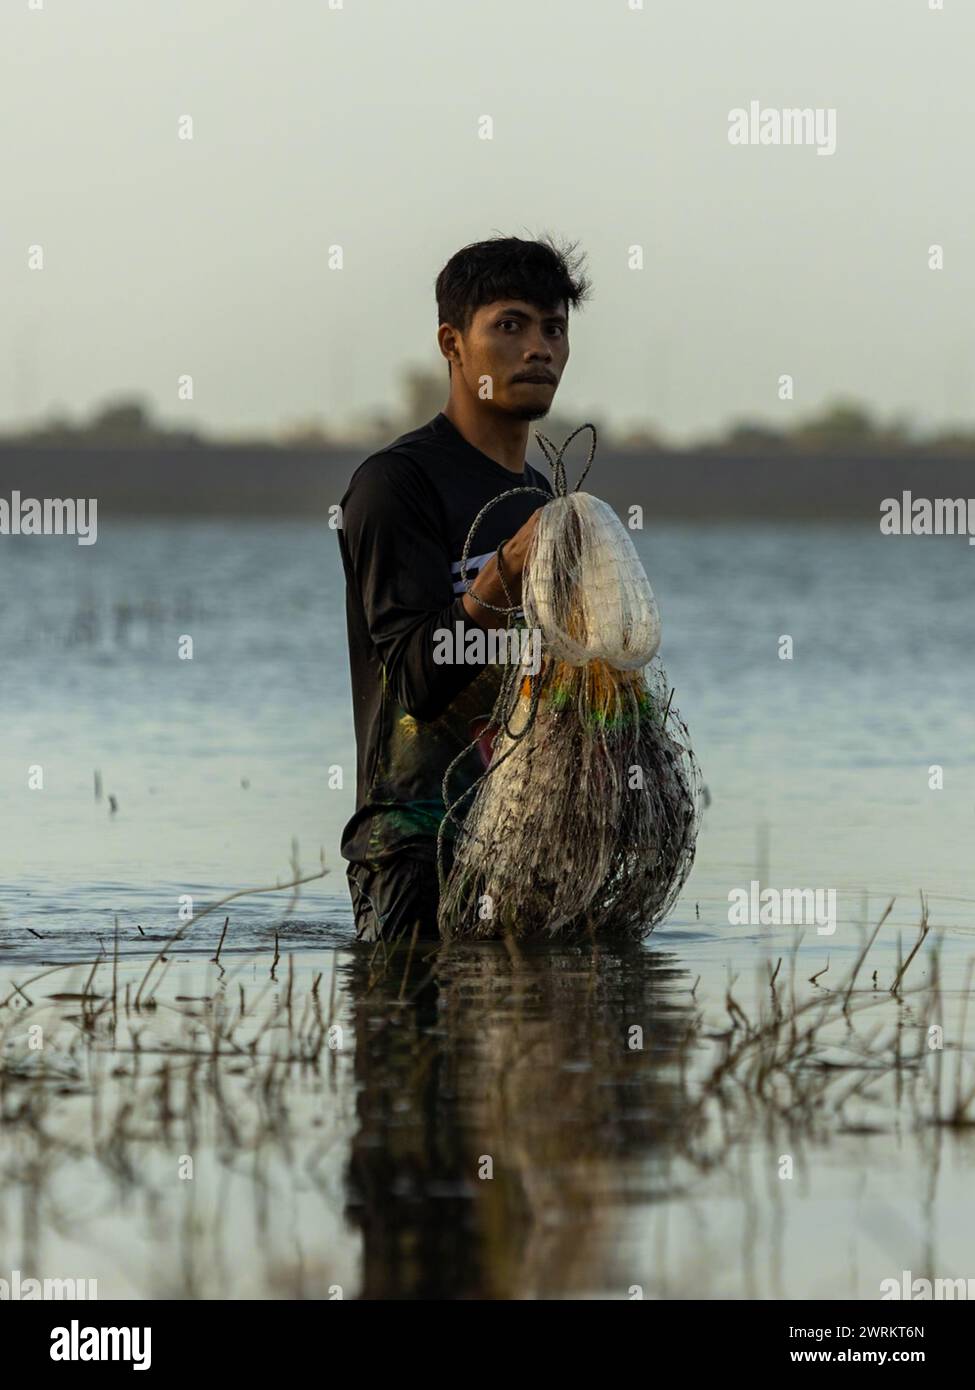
[503,309]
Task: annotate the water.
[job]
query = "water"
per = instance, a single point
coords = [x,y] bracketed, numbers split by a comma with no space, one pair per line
[219,762]
[216,763]
[610,1170]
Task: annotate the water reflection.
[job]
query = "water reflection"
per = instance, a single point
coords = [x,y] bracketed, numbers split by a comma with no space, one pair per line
[509,1107]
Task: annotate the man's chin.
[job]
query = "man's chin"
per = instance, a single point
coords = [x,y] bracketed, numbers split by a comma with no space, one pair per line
[528,410]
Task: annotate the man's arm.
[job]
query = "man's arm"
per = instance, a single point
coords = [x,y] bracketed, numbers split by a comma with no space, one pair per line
[391,533]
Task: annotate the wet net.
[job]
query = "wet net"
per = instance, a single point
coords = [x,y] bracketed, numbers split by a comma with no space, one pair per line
[586,818]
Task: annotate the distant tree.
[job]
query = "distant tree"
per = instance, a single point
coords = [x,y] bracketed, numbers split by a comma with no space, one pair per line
[846,425]
[901,432]
[122,418]
[843,424]
[380,427]
[122,421]
[952,441]
[56,429]
[748,437]
[425,393]
[641,438]
[127,421]
[312,433]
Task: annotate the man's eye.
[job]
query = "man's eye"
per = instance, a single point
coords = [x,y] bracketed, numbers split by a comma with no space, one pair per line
[502,323]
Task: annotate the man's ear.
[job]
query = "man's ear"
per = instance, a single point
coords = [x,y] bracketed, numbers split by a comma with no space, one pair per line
[447,339]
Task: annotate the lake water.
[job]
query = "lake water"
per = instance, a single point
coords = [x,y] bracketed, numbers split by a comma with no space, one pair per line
[817,767]
[818,776]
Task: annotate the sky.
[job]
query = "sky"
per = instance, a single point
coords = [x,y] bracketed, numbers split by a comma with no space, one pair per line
[358,125]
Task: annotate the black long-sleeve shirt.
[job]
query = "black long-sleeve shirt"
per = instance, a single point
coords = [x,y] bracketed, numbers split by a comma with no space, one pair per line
[405,518]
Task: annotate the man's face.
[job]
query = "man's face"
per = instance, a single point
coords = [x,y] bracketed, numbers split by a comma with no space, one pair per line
[517,347]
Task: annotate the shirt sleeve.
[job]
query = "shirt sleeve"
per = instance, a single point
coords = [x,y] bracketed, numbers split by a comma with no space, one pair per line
[398,562]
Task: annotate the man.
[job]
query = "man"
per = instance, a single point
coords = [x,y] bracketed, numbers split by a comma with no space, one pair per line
[503,310]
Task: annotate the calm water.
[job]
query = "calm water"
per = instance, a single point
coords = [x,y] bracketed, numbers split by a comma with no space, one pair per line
[817,767]
[613,1167]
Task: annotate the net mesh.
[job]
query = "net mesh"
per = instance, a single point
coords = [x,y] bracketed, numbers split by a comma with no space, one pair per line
[585,588]
[586,818]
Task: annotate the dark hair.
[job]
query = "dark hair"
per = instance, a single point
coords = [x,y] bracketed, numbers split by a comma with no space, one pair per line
[539,272]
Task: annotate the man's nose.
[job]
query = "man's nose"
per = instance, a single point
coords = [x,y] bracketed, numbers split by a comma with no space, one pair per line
[539,351]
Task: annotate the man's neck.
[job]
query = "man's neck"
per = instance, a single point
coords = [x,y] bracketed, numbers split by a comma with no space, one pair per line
[502,437]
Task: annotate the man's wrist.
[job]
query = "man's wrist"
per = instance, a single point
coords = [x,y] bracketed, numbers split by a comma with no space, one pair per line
[477,612]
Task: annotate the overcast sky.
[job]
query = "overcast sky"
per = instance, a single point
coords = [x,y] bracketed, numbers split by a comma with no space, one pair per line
[358,127]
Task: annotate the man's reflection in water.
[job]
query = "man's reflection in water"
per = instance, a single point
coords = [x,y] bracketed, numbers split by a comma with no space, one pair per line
[508,1108]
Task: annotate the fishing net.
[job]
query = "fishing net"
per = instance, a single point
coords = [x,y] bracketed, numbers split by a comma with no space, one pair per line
[585,589]
[586,817]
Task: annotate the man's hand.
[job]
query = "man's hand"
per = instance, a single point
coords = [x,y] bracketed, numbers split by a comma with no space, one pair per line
[488,582]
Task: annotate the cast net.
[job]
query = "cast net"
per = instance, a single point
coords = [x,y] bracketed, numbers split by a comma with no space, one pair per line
[586,818]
